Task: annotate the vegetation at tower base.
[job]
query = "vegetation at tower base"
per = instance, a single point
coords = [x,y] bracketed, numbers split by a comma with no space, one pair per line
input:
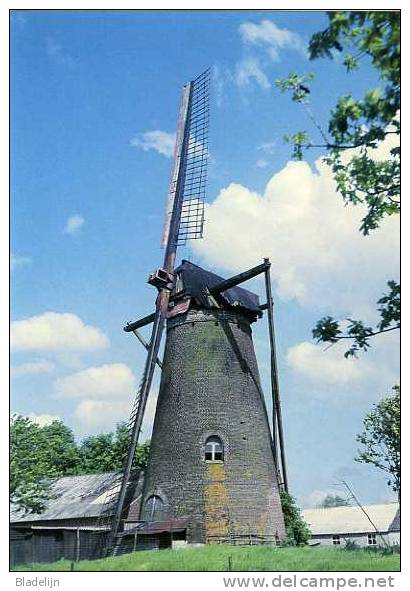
[40,454]
[356,128]
[334,501]
[297,530]
[252,558]
[381,438]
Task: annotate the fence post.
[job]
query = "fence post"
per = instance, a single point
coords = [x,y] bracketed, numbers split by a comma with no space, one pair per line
[77,547]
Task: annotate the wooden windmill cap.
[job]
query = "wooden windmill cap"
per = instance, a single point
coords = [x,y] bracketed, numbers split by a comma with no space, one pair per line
[195,282]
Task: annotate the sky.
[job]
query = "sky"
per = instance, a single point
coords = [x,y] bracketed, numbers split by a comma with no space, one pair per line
[94,102]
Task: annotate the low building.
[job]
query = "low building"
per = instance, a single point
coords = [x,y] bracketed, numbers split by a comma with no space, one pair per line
[74,524]
[374,525]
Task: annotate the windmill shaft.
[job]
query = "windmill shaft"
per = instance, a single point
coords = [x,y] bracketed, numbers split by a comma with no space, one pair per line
[277,427]
[174,204]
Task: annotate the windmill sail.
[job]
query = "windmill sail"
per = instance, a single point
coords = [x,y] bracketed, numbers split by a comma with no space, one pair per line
[189,177]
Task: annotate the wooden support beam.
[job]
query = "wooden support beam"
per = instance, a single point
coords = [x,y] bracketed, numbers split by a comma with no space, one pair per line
[146,345]
[240,278]
[131,326]
[277,427]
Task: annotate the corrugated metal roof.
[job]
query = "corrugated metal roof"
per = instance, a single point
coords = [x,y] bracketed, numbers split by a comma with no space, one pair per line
[350,520]
[156,527]
[72,497]
[196,281]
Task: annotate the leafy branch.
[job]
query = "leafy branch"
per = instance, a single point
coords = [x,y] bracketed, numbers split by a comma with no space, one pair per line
[328,330]
[357,124]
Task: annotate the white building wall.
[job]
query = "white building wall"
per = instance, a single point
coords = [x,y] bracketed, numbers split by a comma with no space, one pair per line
[359,539]
[394,538]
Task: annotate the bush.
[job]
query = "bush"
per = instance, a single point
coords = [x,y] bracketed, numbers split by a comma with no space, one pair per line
[351,545]
[297,530]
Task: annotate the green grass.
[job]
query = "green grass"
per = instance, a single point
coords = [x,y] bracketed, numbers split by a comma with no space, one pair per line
[215,558]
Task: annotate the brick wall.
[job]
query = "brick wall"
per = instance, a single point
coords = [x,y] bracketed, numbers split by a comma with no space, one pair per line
[210,386]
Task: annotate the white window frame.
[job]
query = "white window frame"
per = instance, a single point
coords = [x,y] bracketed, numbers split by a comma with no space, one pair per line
[213,446]
[336,540]
[372,539]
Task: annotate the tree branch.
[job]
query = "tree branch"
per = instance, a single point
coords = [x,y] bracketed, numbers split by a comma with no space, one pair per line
[370,334]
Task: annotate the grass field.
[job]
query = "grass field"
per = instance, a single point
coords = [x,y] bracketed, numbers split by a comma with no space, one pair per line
[216,558]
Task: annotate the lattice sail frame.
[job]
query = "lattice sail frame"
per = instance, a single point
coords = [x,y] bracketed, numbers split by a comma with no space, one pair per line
[189,178]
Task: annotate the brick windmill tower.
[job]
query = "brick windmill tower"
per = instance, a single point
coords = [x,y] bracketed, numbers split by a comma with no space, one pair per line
[215,467]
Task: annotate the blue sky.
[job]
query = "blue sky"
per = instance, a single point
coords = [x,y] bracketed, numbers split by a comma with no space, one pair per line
[94,101]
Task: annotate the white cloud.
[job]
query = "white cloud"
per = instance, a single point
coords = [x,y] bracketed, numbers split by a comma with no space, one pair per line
[318,255]
[271,37]
[16,261]
[263,42]
[327,366]
[102,415]
[219,80]
[114,380]
[73,224]
[33,367]
[159,141]
[149,415]
[249,70]
[43,420]
[323,373]
[54,331]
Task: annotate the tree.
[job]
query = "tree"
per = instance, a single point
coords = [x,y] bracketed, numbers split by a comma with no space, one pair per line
[297,530]
[121,443]
[381,438]
[37,455]
[356,128]
[106,452]
[334,501]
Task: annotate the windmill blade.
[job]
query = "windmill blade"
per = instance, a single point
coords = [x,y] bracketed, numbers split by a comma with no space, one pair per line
[195,177]
[184,218]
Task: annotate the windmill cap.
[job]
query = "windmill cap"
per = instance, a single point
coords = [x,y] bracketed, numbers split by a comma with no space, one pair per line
[197,282]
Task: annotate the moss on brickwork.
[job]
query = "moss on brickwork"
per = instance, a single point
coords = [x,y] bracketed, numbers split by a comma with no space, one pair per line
[216,502]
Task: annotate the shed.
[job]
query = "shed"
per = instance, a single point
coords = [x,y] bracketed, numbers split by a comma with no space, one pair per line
[336,525]
[72,524]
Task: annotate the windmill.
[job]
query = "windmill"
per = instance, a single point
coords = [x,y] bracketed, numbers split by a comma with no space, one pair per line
[205,316]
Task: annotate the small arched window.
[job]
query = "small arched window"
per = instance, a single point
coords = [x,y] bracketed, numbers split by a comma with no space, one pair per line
[154,508]
[214,449]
